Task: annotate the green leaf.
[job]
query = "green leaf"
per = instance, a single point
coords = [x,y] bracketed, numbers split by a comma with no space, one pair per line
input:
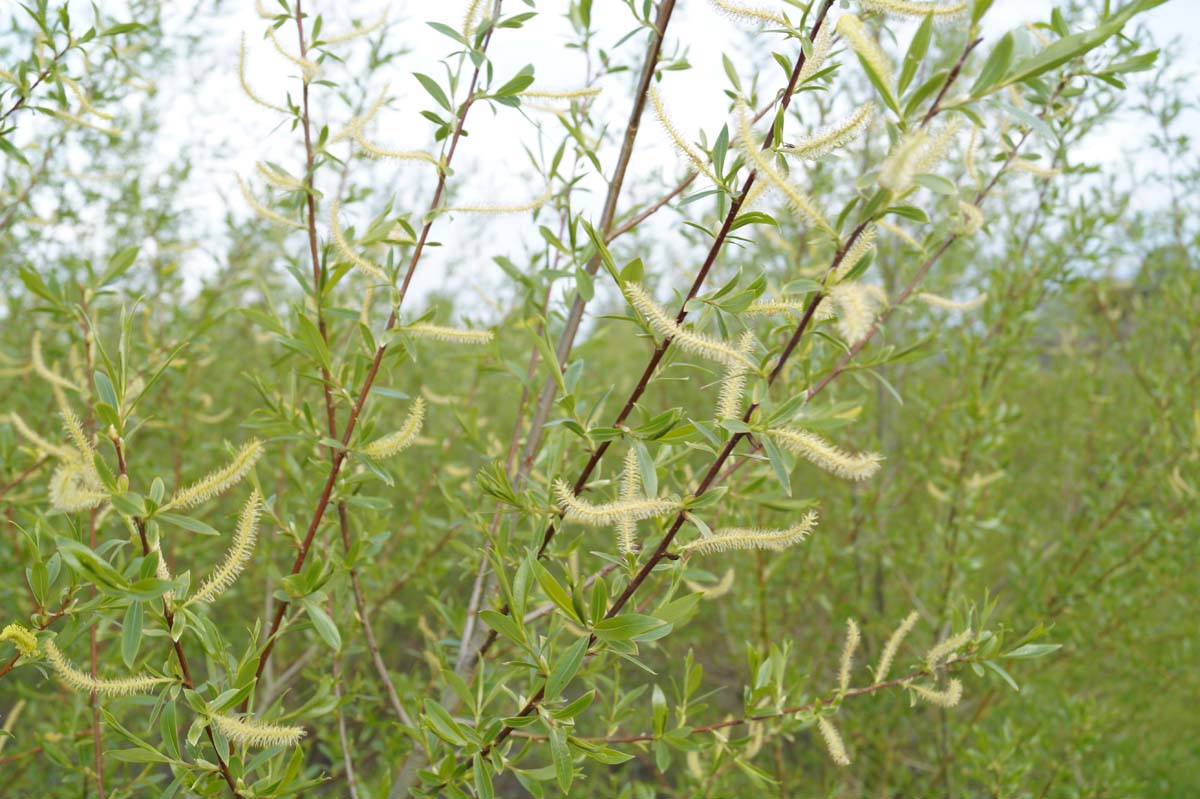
[916,53]
[434,90]
[564,770]
[442,725]
[565,668]
[995,67]
[483,778]
[627,627]
[131,633]
[556,593]
[323,624]
[1030,651]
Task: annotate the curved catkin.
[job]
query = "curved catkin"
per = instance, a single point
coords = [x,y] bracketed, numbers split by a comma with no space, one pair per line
[937,147]
[729,401]
[796,199]
[308,69]
[950,696]
[39,364]
[244,538]
[853,637]
[356,33]
[532,205]
[833,136]
[946,304]
[256,734]
[970,219]
[246,84]
[75,486]
[22,638]
[769,306]
[630,483]
[914,8]
[853,30]
[833,741]
[855,253]
[898,169]
[606,515]
[901,234]
[30,435]
[821,46]
[278,178]
[262,210]
[753,14]
[833,459]
[570,95]
[747,538]
[944,649]
[676,137]
[888,656]
[1037,170]
[402,439]
[85,683]
[855,305]
[367,266]
[696,343]
[221,480]
[448,335]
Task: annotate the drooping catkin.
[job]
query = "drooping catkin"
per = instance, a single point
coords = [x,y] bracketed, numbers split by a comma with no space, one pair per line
[853,30]
[853,637]
[949,696]
[914,8]
[833,741]
[855,305]
[696,343]
[821,46]
[532,205]
[749,538]
[754,14]
[448,335]
[256,734]
[855,253]
[22,638]
[356,33]
[264,211]
[347,251]
[246,84]
[30,435]
[946,304]
[1033,168]
[402,439]
[85,683]
[898,169]
[689,152]
[888,656]
[729,401]
[797,200]
[238,555]
[609,513]
[821,453]
[944,649]
[833,136]
[41,369]
[221,480]
[308,68]
[631,480]
[565,94]
[75,487]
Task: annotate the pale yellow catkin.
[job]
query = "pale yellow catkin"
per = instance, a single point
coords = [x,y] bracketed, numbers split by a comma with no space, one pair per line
[892,647]
[820,453]
[86,684]
[946,304]
[681,144]
[853,638]
[22,638]
[855,310]
[30,435]
[729,400]
[262,210]
[833,741]
[347,251]
[853,30]
[755,14]
[821,45]
[246,84]
[448,335]
[532,205]
[855,253]
[402,439]
[240,550]
[256,734]
[796,199]
[630,484]
[356,33]
[950,696]
[308,68]
[220,480]
[833,136]
[41,369]
[944,649]
[727,539]
[914,8]
[665,325]
[75,487]
[609,513]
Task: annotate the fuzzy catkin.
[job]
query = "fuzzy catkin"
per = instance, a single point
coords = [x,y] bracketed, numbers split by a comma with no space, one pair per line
[748,538]
[833,136]
[256,734]
[888,656]
[853,637]
[402,439]
[833,741]
[86,684]
[695,343]
[221,480]
[833,459]
[796,199]
[607,514]
[240,551]
[950,696]
[366,265]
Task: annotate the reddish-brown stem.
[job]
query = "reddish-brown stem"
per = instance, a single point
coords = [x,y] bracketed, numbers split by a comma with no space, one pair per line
[950,79]
[339,457]
[25,475]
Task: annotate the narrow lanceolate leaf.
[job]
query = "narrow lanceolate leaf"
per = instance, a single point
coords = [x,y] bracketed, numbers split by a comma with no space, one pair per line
[256,734]
[221,480]
[238,555]
[726,539]
[86,684]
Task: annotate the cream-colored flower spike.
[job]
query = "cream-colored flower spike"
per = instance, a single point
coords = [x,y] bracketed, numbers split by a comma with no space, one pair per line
[347,251]
[85,683]
[834,136]
[898,169]
[262,210]
[244,538]
[729,401]
[820,51]
[681,144]
[914,8]
[609,513]
[356,33]
[755,14]
[631,482]
[221,480]
[888,656]
[946,304]
[39,364]
[950,696]
[569,95]
[30,435]
[855,305]
[665,325]
[853,638]
[856,252]
[75,487]
[851,27]
[833,459]
[797,200]
[747,538]
[944,649]
[532,205]
[448,335]
[833,741]
[402,439]
[246,84]
[308,68]
[23,639]
[256,734]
